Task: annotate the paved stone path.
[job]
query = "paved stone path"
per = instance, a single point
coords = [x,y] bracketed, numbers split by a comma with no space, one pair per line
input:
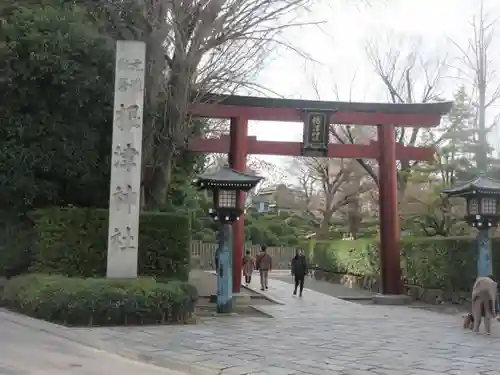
[331,289]
[360,295]
[315,335]
[27,348]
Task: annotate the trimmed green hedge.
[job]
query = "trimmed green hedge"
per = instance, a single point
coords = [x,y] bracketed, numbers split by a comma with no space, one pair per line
[16,243]
[447,263]
[100,302]
[73,242]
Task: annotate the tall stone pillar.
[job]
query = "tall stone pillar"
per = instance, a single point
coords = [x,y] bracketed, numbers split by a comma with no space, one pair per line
[126,153]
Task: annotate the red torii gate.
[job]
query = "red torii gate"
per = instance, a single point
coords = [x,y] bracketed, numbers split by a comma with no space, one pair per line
[317,115]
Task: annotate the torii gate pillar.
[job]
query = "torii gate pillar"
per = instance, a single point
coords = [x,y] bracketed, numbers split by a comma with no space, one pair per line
[392,283]
[241,109]
[237,160]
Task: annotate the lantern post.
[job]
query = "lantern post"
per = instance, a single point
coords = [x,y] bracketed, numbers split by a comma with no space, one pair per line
[482,196]
[225,185]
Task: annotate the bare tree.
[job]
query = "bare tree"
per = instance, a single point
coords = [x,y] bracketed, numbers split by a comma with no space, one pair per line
[329,185]
[477,67]
[194,46]
[423,207]
[305,179]
[408,77]
[349,134]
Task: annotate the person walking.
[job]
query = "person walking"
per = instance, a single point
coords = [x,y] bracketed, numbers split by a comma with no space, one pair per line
[248,267]
[264,263]
[299,271]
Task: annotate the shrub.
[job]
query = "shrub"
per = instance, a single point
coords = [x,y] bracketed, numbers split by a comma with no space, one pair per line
[88,302]
[73,242]
[344,256]
[447,263]
[16,244]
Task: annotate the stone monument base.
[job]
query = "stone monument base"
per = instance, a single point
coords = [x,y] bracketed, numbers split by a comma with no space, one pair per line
[391,299]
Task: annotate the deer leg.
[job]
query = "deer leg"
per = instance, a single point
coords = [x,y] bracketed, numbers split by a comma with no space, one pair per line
[476,314]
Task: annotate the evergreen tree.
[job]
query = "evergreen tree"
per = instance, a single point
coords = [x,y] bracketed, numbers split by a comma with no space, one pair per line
[459,145]
[456,142]
[459,141]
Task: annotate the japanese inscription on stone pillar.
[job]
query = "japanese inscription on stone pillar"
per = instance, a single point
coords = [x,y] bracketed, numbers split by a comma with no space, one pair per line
[126,153]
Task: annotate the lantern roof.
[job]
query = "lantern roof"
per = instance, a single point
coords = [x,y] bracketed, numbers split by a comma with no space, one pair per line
[479,185]
[227,178]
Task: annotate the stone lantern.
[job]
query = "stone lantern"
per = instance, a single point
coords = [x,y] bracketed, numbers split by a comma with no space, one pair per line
[482,196]
[225,185]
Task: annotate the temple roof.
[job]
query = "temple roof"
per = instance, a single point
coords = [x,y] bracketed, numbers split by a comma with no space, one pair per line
[481,184]
[440,108]
[228,178]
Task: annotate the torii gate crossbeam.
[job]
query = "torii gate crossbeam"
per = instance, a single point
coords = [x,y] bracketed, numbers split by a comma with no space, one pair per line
[241,109]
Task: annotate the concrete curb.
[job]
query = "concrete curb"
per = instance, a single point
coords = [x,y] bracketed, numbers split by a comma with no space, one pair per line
[174,365]
[72,335]
[265,296]
[41,325]
[262,311]
[353,299]
[391,299]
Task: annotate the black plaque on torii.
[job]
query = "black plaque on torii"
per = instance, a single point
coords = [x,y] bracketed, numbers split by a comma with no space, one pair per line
[316,135]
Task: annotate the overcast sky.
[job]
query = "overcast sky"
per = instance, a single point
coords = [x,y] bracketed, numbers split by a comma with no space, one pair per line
[339,46]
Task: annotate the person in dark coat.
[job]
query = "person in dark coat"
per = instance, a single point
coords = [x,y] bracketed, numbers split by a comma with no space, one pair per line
[299,271]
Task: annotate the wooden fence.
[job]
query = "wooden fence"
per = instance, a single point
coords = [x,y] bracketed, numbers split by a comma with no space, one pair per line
[203,254]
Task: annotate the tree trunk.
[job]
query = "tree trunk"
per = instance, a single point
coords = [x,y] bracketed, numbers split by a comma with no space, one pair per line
[161,150]
[482,155]
[323,232]
[354,218]
[156,189]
